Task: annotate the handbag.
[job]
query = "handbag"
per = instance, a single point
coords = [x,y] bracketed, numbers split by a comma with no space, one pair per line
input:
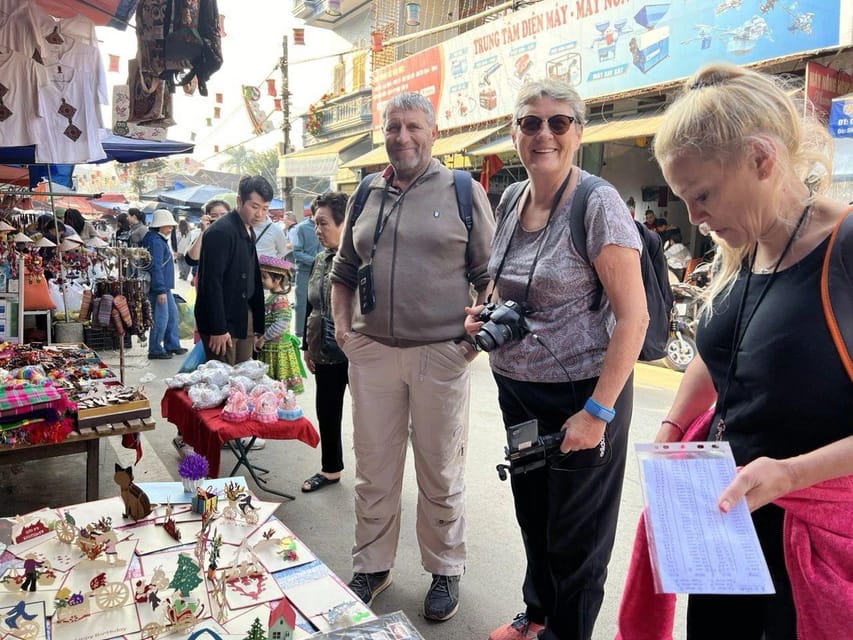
[329,347]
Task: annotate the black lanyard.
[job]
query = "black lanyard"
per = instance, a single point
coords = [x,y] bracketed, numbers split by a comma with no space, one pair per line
[738,334]
[382,218]
[554,203]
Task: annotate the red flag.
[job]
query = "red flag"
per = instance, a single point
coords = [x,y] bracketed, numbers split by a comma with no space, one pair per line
[114,60]
[491,165]
[218,98]
[277,102]
[298,36]
[376,42]
[271,87]
[216,148]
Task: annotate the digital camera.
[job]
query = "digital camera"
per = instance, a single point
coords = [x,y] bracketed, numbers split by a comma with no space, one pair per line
[502,323]
[527,450]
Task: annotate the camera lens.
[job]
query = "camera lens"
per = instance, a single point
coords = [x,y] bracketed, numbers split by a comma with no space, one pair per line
[491,336]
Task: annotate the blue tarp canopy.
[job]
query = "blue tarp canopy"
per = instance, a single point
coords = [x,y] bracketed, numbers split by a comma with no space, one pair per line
[841,117]
[117,148]
[191,196]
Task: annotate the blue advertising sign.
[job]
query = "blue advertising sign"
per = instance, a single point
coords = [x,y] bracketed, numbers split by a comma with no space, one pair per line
[841,117]
[604,47]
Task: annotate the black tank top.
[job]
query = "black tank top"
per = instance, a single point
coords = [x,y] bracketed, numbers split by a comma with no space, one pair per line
[789,393]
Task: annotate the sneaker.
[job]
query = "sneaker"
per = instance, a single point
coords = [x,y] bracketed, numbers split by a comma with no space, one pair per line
[442,599]
[521,628]
[177,352]
[160,356]
[259,443]
[178,442]
[369,585]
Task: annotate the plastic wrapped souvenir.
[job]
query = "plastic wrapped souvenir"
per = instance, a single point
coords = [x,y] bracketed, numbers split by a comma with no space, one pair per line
[265,407]
[236,409]
[288,409]
[253,369]
[205,396]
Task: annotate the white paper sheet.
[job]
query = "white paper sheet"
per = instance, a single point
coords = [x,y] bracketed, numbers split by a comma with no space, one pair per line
[694,547]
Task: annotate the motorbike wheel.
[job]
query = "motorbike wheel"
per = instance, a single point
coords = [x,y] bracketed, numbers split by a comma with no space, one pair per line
[679,352]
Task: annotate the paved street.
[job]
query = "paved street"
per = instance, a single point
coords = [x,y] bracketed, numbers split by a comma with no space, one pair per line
[490,590]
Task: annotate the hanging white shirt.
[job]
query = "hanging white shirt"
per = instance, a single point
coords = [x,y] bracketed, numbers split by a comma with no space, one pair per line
[21,79]
[18,30]
[85,58]
[71,130]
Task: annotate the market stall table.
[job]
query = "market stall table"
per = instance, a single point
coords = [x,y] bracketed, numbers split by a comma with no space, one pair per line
[212,570]
[206,431]
[86,440]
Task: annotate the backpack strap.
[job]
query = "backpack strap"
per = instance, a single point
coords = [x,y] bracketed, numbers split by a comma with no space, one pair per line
[464,197]
[577,226]
[836,290]
[510,198]
[360,197]
[465,203]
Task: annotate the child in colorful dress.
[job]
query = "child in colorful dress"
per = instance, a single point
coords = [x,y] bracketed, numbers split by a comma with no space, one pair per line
[278,348]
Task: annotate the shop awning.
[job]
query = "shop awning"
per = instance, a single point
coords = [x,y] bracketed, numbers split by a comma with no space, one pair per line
[596,132]
[622,128]
[373,157]
[457,143]
[320,161]
[500,146]
[460,142]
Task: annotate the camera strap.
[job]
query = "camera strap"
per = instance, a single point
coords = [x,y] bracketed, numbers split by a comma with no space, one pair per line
[382,218]
[542,236]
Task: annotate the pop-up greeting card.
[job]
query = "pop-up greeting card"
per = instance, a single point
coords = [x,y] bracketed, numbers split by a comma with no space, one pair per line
[277,548]
[247,582]
[22,619]
[328,604]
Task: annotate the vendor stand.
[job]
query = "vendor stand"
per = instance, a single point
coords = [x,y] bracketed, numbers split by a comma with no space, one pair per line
[199,572]
[62,399]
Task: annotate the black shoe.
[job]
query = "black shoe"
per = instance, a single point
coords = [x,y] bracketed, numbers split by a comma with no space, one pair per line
[442,599]
[159,356]
[177,352]
[369,585]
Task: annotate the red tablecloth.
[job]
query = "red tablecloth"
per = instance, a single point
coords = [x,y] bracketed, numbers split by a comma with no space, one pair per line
[206,431]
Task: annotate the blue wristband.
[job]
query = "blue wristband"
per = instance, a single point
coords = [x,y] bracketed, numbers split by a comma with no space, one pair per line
[599,411]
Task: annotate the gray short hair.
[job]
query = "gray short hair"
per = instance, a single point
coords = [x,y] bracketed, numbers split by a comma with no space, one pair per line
[409,102]
[558,90]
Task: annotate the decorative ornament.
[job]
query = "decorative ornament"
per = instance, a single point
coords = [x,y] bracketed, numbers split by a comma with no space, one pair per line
[192,469]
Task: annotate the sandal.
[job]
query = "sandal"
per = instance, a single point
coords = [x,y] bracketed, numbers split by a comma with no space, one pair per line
[317,482]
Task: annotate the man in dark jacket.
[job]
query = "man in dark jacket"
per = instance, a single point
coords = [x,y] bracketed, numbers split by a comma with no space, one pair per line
[164,341]
[229,310]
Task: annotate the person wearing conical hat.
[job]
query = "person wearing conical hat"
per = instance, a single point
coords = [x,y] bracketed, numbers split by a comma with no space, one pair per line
[163,342]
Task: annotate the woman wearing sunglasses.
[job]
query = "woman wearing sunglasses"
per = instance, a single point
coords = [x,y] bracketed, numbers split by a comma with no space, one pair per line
[572,370]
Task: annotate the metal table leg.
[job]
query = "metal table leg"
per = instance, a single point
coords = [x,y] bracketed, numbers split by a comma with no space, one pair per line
[241,451]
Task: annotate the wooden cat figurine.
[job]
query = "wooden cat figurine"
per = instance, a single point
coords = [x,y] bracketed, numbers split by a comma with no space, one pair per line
[136,503]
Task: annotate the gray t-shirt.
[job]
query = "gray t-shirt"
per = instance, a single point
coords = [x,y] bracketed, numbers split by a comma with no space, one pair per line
[561,291]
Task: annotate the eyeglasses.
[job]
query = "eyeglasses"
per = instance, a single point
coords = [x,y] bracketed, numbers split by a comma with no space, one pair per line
[531,125]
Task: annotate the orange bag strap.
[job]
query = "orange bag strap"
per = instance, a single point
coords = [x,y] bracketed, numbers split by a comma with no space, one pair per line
[826,302]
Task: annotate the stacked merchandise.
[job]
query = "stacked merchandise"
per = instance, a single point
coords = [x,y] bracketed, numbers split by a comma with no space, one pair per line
[48,391]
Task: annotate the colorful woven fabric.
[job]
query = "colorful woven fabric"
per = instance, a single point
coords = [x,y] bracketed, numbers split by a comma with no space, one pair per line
[26,394]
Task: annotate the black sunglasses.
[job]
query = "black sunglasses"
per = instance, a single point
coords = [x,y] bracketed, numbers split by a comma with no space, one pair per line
[531,125]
